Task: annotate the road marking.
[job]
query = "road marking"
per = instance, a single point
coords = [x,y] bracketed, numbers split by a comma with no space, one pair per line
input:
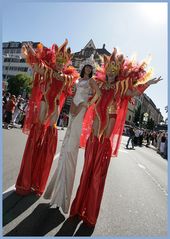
[141,166]
[153,179]
[12,188]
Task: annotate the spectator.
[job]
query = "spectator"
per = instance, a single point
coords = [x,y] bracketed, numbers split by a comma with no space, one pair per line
[5,99]
[140,137]
[148,139]
[10,108]
[131,138]
[136,139]
[23,114]
[159,141]
[162,145]
[18,109]
[166,147]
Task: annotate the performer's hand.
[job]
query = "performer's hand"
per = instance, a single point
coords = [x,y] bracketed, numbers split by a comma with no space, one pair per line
[155,80]
[24,50]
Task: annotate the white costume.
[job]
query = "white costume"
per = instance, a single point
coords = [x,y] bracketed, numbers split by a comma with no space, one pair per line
[60,187]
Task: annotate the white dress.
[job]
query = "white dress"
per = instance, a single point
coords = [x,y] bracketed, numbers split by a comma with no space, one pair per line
[60,187]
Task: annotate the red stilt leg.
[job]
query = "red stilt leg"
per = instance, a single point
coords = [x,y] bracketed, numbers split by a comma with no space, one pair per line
[95,191]
[44,160]
[23,184]
[90,154]
[92,185]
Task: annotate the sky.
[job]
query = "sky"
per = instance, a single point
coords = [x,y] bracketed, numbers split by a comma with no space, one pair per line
[135,28]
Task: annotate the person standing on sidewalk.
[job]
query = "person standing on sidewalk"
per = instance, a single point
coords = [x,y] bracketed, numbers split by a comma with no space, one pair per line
[10,108]
[131,138]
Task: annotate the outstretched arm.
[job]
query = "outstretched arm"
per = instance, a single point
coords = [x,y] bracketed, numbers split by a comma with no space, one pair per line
[154,81]
[140,88]
[32,58]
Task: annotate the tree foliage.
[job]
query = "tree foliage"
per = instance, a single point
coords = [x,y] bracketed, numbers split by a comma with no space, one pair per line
[20,83]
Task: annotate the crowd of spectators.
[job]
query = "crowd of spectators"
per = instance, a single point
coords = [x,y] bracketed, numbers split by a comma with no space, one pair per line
[144,137]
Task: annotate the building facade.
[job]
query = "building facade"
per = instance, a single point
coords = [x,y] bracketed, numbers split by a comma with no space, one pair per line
[13,62]
[148,109]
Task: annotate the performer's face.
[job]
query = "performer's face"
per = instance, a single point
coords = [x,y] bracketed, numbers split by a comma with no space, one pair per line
[111,76]
[88,69]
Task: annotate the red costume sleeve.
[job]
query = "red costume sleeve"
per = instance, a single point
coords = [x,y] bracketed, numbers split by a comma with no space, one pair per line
[33,105]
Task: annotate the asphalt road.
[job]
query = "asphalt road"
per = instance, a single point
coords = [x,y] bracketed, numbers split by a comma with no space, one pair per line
[134,201]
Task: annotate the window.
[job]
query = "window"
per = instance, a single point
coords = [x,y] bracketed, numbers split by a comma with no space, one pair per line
[129,118]
[22,60]
[5,45]
[14,44]
[5,51]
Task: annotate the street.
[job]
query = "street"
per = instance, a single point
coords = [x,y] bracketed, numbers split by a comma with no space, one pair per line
[134,201]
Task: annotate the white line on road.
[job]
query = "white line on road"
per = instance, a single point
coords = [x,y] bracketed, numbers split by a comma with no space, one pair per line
[153,179]
[12,188]
[141,166]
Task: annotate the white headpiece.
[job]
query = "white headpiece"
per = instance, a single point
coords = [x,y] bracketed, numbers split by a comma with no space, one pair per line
[89,61]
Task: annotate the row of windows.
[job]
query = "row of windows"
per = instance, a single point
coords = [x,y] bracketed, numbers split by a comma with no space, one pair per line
[11,44]
[4,45]
[11,51]
[22,60]
[15,68]
[17,44]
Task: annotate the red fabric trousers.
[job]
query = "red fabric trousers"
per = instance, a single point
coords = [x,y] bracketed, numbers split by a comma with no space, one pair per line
[34,141]
[37,160]
[90,191]
[44,160]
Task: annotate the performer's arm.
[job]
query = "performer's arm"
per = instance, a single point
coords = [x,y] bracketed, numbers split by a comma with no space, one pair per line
[95,87]
[41,68]
[30,54]
[141,88]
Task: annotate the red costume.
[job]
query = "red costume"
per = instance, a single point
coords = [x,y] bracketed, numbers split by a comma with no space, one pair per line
[113,103]
[52,88]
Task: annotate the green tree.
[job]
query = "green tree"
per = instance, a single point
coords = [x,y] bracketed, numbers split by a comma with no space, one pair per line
[20,83]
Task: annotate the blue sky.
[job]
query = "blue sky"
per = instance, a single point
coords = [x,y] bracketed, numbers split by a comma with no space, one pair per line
[139,28]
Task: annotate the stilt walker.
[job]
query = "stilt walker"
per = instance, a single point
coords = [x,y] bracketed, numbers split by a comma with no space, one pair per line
[60,187]
[53,79]
[122,79]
